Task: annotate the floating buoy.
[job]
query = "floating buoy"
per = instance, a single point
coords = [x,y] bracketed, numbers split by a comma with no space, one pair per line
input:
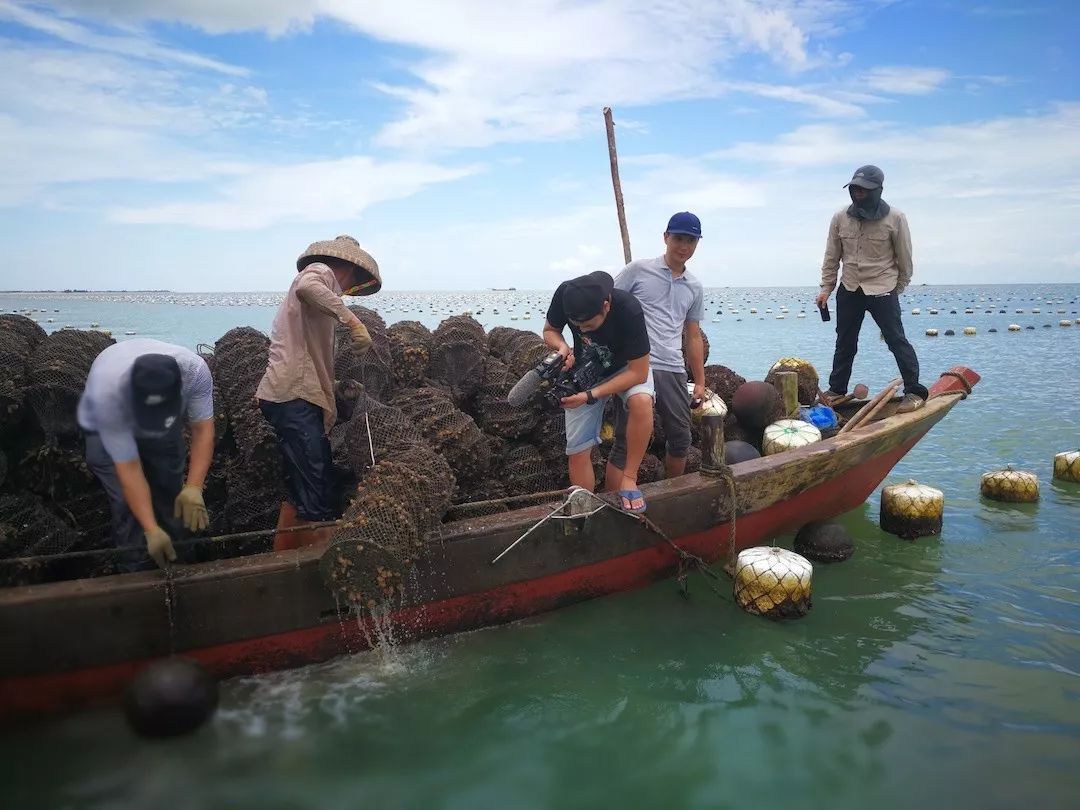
[992,330]
[787,434]
[1065,322]
[170,697]
[736,451]
[916,311]
[808,377]
[949,333]
[911,510]
[1014,486]
[824,542]
[757,404]
[773,582]
[1067,466]
[969,330]
[931,332]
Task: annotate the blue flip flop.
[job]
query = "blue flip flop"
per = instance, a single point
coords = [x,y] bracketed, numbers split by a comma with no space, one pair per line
[629,496]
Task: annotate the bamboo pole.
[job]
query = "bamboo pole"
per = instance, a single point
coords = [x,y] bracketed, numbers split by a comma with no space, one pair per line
[871,407]
[614,158]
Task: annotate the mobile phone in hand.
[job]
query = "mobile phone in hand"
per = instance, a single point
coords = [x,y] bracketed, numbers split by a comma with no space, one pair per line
[823,310]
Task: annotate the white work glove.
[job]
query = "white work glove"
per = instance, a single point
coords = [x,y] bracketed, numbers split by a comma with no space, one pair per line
[159,546]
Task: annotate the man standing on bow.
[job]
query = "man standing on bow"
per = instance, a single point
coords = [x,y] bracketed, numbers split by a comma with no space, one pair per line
[130,411]
[872,240]
[674,304]
[296,394]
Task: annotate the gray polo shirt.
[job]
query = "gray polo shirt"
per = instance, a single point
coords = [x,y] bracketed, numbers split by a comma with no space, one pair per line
[105,407]
[668,303]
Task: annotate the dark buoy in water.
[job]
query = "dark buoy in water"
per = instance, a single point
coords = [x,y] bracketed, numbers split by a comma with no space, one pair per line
[170,697]
[949,332]
[736,451]
[757,405]
[824,542]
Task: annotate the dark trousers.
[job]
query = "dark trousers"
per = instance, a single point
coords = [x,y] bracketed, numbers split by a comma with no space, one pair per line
[851,307]
[163,465]
[305,451]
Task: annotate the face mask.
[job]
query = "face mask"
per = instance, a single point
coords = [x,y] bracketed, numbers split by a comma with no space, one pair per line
[871,207]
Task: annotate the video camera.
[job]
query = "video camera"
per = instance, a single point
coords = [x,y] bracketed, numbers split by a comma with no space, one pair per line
[556,382]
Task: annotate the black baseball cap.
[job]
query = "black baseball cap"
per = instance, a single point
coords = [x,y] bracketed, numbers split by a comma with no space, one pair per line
[156,389]
[868,177]
[583,297]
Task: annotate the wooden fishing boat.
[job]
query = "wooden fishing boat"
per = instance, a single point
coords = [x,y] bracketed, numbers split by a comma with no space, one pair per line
[70,644]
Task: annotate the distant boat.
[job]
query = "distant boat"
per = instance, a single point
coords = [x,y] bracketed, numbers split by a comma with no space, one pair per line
[502,289]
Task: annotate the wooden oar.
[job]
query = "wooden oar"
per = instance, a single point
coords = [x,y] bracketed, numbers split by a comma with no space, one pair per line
[871,407]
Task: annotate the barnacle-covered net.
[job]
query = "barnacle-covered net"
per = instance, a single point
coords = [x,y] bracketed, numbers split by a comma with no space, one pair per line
[374,368]
[14,349]
[398,506]
[449,431]
[458,349]
[493,413]
[410,351]
[28,528]
[56,376]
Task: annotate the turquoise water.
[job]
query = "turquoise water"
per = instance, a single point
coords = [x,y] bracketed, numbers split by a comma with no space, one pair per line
[944,672]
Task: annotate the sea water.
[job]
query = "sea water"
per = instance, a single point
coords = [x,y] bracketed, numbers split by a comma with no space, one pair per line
[942,672]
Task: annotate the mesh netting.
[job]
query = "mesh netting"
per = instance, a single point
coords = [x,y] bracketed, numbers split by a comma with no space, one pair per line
[693,459]
[550,434]
[398,505]
[458,349]
[449,431]
[56,375]
[252,500]
[31,332]
[375,429]
[808,381]
[28,528]
[520,350]
[14,349]
[374,368]
[523,469]
[493,413]
[410,350]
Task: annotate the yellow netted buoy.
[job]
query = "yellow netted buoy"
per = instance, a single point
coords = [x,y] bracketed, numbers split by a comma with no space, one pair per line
[931,332]
[1014,327]
[911,510]
[1010,485]
[711,404]
[788,434]
[607,432]
[1064,322]
[1067,466]
[969,330]
[773,582]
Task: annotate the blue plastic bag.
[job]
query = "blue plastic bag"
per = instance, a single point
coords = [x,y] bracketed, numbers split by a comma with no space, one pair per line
[820,416]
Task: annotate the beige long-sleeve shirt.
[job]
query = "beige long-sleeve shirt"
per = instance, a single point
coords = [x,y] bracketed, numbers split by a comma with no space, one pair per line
[876,254]
[301,364]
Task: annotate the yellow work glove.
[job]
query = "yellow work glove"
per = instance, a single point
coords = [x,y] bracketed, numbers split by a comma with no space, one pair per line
[361,340]
[159,546]
[190,506]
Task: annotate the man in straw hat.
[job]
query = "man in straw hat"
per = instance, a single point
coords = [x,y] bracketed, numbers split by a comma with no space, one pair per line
[130,410]
[872,240]
[296,394]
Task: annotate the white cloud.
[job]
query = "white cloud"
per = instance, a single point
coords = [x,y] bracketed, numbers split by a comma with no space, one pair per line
[911,81]
[506,72]
[140,47]
[322,191]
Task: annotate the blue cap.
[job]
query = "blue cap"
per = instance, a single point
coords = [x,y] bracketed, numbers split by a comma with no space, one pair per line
[685,223]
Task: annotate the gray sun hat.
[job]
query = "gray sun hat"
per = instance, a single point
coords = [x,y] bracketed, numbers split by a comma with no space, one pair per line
[347,249]
[868,177]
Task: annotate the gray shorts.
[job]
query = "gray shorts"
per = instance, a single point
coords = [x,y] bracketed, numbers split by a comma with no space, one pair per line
[672,404]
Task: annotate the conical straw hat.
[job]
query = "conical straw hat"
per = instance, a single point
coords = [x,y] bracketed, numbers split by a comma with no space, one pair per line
[348,249]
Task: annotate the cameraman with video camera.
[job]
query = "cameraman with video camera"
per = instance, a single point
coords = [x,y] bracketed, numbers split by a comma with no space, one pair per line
[609,330]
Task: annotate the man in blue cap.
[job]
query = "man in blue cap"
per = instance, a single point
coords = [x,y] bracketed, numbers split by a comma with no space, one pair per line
[872,240]
[136,394]
[674,304]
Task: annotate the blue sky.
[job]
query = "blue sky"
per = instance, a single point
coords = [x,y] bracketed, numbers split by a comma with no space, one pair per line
[202,144]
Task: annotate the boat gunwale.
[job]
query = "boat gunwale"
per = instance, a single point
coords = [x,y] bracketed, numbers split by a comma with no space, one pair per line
[270,563]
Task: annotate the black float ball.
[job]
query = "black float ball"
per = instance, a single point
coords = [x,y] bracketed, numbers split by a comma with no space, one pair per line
[736,451]
[170,697]
[757,404]
[824,542]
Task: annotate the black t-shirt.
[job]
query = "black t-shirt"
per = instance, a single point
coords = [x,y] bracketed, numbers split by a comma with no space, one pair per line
[621,337]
